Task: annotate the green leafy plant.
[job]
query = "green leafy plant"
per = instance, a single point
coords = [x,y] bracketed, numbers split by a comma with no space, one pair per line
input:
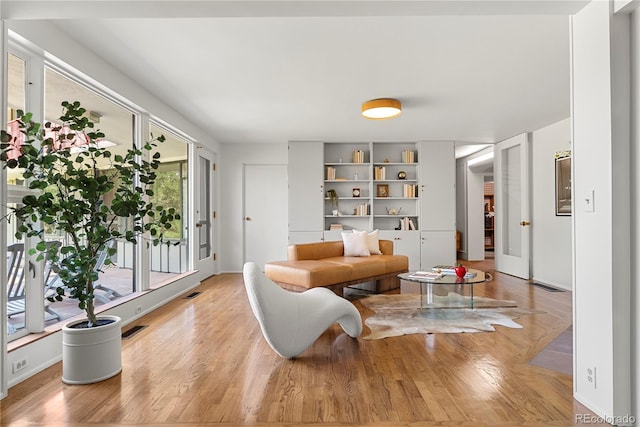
[82,190]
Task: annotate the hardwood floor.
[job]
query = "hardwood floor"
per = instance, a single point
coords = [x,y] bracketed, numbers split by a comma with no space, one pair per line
[203,361]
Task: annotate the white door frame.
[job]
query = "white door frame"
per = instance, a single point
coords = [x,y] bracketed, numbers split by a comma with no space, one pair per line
[513,261]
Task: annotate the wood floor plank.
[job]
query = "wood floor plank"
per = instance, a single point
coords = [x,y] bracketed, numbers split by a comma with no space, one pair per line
[203,361]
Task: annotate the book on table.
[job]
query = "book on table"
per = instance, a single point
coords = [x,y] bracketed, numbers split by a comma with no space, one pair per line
[428,275]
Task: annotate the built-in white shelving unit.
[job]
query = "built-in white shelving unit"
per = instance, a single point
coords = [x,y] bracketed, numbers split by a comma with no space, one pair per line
[379,185]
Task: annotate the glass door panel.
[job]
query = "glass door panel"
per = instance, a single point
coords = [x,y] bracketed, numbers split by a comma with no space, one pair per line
[512,207]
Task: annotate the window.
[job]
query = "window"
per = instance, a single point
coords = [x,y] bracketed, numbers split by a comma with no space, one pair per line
[117,123]
[171,189]
[16,261]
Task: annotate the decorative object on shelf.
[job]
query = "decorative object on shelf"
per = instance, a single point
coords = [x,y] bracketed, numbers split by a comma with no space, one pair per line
[381,108]
[386,161]
[333,197]
[382,190]
[355,192]
[402,175]
[393,211]
[355,176]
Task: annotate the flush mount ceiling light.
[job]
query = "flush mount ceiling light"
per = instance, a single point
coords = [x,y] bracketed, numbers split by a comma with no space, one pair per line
[381,108]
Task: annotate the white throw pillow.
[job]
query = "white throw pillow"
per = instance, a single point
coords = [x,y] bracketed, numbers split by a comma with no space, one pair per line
[373,242]
[355,244]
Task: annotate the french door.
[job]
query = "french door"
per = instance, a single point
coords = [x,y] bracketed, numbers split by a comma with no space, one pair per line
[512,240]
[205,258]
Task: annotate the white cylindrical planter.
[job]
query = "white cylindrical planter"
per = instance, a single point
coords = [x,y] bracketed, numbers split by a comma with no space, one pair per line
[90,355]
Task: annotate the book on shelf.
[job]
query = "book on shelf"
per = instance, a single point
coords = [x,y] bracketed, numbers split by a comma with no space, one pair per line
[331,173]
[379,173]
[407,223]
[358,156]
[428,275]
[336,227]
[362,209]
[409,191]
[408,156]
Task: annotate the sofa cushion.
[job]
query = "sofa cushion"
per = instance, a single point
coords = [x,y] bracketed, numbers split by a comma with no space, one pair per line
[395,263]
[317,250]
[361,267]
[307,273]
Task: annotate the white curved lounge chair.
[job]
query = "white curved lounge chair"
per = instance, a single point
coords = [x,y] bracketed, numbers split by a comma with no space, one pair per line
[292,321]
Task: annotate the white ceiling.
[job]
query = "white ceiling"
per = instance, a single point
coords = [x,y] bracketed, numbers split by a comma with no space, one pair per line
[270,72]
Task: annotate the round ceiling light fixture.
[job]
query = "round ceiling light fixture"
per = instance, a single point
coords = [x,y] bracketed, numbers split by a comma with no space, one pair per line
[381,108]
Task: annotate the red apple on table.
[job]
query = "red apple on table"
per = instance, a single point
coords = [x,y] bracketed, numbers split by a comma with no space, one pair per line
[460,271]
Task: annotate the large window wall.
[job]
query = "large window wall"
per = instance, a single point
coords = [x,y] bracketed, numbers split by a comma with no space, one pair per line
[121,125]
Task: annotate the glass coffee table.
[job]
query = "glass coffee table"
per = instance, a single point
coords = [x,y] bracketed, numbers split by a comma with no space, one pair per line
[427,284]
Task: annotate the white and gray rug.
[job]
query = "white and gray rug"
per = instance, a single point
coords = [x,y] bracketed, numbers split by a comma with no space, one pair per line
[400,314]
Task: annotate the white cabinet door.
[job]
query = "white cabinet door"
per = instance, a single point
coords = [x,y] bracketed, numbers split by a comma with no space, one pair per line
[437,248]
[437,186]
[405,243]
[306,192]
[296,237]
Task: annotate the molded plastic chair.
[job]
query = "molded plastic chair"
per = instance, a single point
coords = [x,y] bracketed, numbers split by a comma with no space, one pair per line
[291,321]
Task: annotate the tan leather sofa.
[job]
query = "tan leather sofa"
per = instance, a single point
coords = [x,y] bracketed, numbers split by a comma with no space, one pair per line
[311,265]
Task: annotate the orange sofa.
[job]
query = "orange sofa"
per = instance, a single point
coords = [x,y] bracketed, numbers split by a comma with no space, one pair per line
[311,265]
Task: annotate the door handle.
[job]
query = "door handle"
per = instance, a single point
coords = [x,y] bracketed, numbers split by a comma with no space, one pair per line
[524,223]
[248,218]
[198,225]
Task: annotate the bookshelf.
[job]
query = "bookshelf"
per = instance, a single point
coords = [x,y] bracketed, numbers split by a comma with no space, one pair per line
[376,184]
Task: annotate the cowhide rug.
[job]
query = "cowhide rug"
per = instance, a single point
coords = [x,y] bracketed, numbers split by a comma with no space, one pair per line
[399,314]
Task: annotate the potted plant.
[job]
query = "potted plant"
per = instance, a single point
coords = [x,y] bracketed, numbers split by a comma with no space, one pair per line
[333,197]
[83,190]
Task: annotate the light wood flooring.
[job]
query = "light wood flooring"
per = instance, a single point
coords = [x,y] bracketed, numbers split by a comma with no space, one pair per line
[203,361]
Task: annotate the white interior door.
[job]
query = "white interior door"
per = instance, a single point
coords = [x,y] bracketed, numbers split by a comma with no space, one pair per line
[512,220]
[265,213]
[205,255]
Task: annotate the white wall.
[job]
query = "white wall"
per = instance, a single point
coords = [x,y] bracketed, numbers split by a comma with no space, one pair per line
[233,157]
[601,238]
[551,235]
